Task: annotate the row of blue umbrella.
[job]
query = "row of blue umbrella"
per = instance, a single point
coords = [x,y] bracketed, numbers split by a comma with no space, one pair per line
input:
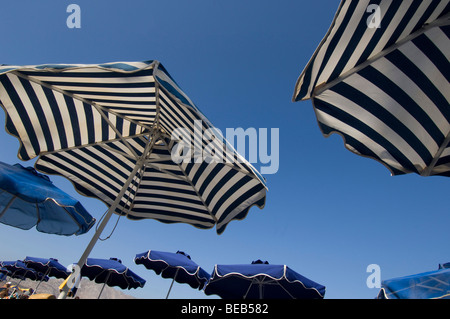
[259,280]
[28,198]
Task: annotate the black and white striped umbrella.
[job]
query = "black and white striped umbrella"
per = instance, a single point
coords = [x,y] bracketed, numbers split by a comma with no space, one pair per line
[380,78]
[109,129]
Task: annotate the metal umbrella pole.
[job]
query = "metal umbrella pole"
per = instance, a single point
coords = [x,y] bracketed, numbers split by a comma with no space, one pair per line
[140,163]
[176,273]
[104,284]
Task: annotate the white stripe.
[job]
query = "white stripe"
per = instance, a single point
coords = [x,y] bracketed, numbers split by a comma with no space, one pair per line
[97,118]
[108,80]
[113,123]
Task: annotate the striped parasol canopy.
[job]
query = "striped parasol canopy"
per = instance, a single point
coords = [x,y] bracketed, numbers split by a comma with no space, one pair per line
[380,79]
[109,128]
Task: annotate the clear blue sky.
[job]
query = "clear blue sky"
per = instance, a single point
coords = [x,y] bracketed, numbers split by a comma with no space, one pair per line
[329,213]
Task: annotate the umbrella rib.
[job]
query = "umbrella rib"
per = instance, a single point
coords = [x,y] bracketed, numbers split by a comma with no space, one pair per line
[427,171]
[194,188]
[99,108]
[7,206]
[321,88]
[103,144]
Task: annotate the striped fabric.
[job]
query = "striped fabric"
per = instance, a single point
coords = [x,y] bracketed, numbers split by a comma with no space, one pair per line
[98,124]
[386,89]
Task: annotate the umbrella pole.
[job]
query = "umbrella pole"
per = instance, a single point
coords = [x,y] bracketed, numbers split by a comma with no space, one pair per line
[104,284]
[43,277]
[176,273]
[139,164]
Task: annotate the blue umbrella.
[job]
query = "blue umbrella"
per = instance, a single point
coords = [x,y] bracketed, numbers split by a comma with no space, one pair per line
[260,280]
[111,272]
[428,285]
[49,267]
[19,270]
[177,266]
[28,198]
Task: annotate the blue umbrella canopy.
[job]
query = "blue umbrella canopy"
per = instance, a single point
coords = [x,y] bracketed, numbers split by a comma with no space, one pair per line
[380,79]
[18,269]
[177,266]
[50,267]
[427,285]
[112,273]
[261,280]
[28,198]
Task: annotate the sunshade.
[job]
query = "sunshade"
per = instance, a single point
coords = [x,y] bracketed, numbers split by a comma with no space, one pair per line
[112,130]
[108,128]
[28,199]
[380,79]
[19,270]
[111,272]
[428,285]
[261,280]
[177,266]
[49,267]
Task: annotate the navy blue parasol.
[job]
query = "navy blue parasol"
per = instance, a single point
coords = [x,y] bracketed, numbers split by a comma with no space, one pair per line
[260,280]
[28,198]
[177,266]
[111,272]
